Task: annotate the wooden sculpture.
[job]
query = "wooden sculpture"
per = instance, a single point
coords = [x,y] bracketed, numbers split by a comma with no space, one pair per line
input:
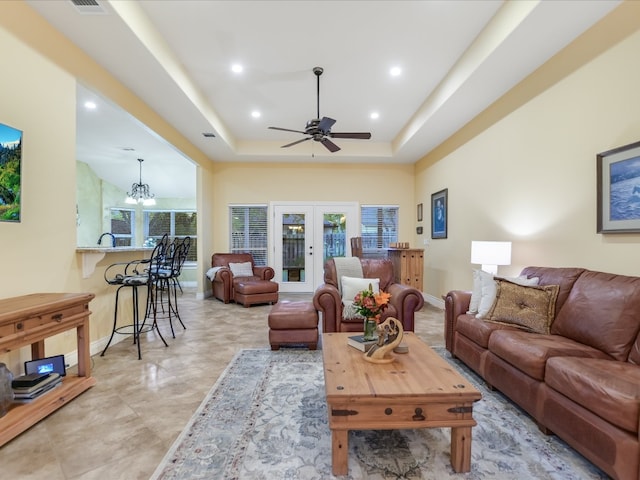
[389,337]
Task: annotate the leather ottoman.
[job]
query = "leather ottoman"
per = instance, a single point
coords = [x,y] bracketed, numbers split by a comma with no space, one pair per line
[250,292]
[293,323]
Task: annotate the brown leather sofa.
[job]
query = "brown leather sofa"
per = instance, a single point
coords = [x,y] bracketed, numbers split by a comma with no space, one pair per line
[404,302]
[582,380]
[246,290]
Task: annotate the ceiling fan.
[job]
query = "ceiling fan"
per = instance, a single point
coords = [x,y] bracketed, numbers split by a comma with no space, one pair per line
[319,129]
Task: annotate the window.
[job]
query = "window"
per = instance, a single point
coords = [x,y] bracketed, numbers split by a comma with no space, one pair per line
[379,227]
[175,223]
[249,231]
[123,223]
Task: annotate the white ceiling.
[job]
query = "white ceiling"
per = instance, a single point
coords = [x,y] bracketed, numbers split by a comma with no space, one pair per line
[457,57]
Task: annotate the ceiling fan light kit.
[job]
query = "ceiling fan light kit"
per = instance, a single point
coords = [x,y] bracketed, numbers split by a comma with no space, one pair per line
[319,129]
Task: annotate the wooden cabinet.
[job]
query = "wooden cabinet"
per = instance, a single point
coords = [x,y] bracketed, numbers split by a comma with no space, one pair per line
[28,320]
[408,264]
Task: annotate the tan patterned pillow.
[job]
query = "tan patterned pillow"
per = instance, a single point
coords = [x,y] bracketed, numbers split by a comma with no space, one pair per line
[530,308]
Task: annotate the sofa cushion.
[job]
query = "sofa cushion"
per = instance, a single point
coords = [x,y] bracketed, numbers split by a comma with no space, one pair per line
[476,292]
[490,289]
[244,269]
[351,286]
[602,312]
[608,388]
[565,277]
[530,308]
[529,352]
[477,329]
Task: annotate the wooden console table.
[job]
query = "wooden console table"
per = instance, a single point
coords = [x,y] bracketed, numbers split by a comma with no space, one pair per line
[408,264]
[28,320]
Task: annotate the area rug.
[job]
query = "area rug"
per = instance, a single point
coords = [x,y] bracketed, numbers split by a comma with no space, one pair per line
[266,418]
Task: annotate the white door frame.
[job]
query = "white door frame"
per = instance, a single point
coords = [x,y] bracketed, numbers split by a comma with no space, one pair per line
[352,211]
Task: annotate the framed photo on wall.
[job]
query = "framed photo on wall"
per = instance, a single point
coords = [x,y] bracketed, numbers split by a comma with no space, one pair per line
[618,189]
[439,209]
[10,173]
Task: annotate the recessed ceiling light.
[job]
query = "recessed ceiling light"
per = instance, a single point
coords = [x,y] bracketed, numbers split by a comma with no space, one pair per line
[89,105]
[256,114]
[374,115]
[237,68]
[395,71]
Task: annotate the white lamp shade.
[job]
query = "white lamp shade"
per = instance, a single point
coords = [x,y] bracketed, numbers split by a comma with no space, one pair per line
[491,253]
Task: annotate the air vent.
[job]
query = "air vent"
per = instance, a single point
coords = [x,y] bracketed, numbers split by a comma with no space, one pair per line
[209,135]
[88,7]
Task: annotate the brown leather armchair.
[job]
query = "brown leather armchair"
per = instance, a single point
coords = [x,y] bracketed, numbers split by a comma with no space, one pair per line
[405,300]
[247,290]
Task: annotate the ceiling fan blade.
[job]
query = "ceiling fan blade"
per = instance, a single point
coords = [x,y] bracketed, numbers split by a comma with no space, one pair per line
[332,147]
[287,130]
[325,124]
[296,142]
[360,135]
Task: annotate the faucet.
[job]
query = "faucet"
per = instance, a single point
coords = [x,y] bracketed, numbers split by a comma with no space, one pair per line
[113,238]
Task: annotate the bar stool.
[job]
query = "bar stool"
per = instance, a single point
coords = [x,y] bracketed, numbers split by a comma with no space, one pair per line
[132,275]
[164,275]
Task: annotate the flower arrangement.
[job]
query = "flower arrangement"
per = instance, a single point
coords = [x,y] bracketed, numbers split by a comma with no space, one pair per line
[371,305]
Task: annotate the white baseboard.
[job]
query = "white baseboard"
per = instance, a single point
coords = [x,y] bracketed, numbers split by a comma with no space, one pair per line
[71,358]
[435,301]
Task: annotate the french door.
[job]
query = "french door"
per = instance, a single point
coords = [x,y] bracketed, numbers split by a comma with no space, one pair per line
[305,236]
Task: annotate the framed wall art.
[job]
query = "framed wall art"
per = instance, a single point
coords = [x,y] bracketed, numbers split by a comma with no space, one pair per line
[439,209]
[10,173]
[419,211]
[618,189]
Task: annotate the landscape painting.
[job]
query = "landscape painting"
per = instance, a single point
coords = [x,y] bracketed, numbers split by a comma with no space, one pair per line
[10,164]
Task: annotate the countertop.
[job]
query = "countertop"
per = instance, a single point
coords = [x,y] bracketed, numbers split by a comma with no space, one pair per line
[100,249]
[92,255]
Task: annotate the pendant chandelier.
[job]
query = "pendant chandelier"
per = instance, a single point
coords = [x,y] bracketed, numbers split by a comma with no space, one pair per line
[140,192]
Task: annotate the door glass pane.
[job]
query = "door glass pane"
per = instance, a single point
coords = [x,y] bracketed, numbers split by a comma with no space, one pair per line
[334,235]
[293,247]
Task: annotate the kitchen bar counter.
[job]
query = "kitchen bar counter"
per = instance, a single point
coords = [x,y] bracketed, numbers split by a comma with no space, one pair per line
[92,255]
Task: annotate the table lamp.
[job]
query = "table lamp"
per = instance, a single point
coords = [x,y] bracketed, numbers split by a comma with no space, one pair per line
[490,255]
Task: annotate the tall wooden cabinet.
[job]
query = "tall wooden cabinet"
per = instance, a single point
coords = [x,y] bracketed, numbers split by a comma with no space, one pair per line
[408,264]
[28,320]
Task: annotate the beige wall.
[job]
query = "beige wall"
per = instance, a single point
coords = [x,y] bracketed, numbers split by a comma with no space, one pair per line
[38,253]
[530,176]
[38,96]
[262,183]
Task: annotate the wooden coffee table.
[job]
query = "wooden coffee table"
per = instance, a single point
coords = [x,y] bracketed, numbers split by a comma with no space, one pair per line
[417,390]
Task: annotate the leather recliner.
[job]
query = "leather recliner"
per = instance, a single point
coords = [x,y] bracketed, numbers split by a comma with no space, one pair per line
[404,302]
[247,290]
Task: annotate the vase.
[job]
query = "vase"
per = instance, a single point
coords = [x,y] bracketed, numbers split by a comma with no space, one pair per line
[370,332]
[6,392]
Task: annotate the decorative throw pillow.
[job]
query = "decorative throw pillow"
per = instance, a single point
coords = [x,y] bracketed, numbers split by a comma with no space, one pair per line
[351,286]
[489,289]
[476,293]
[530,308]
[241,269]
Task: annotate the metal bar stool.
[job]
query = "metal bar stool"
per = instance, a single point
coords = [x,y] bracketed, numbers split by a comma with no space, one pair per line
[164,272]
[132,274]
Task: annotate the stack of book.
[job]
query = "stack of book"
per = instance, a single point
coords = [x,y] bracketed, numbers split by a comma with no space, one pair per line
[358,341]
[29,387]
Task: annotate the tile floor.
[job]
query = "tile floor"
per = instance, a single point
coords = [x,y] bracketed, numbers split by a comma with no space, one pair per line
[122,427]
